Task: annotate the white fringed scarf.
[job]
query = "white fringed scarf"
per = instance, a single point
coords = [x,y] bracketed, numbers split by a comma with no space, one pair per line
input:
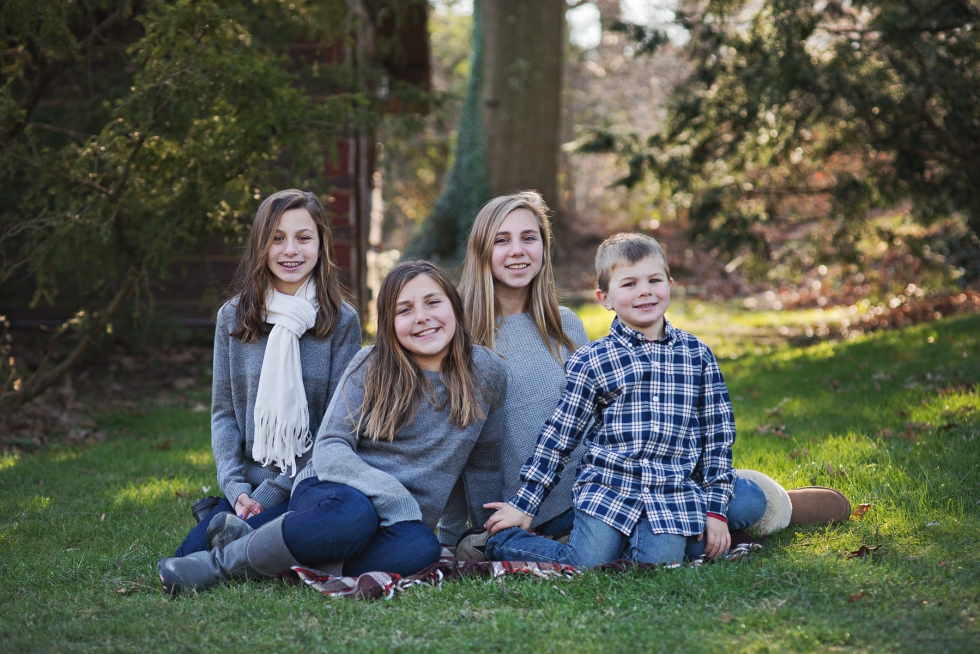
[282,418]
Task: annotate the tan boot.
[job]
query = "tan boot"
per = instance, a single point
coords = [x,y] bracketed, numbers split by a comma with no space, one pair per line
[818,505]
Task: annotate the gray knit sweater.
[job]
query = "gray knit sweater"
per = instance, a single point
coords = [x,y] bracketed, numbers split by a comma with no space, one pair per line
[535,382]
[411,477]
[237,367]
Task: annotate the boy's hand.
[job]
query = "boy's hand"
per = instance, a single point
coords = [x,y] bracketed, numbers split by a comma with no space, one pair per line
[246,507]
[719,540]
[506,516]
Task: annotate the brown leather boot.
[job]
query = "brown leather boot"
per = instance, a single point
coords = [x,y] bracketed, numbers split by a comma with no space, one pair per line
[818,505]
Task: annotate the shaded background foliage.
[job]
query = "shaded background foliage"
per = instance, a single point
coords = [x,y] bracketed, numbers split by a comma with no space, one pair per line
[134,132]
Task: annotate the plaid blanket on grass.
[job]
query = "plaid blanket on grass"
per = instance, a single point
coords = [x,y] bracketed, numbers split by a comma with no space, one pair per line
[378,585]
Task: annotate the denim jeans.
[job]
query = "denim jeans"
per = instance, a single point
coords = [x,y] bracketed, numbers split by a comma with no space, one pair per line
[197,539]
[593,542]
[560,525]
[333,522]
[747,505]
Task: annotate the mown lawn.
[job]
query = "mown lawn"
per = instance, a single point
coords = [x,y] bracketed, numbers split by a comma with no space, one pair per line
[891,419]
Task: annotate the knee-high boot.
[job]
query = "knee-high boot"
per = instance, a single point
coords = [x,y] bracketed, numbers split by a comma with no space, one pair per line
[225,528]
[262,553]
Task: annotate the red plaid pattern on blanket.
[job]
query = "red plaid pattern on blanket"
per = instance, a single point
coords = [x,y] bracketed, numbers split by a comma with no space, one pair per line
[378,585]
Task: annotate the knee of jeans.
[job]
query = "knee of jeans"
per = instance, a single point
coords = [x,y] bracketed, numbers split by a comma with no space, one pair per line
[694,548]
[747,505]
[498,540]
[429,548]
[421,539]
[360,515]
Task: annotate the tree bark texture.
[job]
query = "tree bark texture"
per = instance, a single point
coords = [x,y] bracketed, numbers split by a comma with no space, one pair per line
[523,44]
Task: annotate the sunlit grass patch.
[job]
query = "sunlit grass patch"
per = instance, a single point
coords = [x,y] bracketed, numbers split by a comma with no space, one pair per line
[147,492]
[202,458]
[8,461]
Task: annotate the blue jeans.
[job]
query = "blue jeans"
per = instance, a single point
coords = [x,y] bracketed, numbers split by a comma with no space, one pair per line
[593,542]
[197,539]
[334,522]
[560,525]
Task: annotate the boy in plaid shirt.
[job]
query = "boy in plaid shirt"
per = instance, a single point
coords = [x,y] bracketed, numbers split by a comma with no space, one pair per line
[653,408]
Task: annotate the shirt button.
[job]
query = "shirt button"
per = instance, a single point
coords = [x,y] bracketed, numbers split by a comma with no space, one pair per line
[656,399]
[646,491]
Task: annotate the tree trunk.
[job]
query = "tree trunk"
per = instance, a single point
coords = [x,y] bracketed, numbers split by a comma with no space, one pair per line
[445,230]
[523,44]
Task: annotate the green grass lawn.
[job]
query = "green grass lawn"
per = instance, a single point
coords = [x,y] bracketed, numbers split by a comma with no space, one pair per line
[893,420]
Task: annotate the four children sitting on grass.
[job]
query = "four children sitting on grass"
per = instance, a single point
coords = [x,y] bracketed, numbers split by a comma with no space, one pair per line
[647,402]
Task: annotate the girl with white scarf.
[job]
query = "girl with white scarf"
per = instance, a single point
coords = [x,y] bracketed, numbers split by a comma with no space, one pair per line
[281,345]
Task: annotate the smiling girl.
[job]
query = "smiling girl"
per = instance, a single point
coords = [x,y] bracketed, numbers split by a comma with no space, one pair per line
[281,345]
[414,413]
[511,305]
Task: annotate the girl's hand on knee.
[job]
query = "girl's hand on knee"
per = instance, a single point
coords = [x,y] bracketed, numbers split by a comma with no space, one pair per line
[246,507]
[719,539]
[506,516]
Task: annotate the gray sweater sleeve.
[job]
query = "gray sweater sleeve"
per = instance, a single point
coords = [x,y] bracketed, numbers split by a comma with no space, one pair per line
[227,440]
[346,342]
[335,456]
[456,516]
[482,476]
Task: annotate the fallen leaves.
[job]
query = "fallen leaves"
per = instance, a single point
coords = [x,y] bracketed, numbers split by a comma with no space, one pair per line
[911,432]
[856,596]
[796,454]
[164,444]
[777,430]
[861,510]
[776,409]
[133,586]
[832,472]
[182,494]
[863,552]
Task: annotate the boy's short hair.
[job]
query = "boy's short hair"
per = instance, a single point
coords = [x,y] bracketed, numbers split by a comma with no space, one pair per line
[628,248]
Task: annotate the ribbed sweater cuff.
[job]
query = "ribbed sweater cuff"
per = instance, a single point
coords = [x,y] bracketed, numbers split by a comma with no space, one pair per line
[234,489]
[268,495]
[397,509]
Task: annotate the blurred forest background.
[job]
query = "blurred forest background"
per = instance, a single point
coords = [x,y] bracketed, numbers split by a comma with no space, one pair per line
[790,154]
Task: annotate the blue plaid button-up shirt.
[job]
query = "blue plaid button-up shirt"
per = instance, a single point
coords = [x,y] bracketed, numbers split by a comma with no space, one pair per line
[658,428]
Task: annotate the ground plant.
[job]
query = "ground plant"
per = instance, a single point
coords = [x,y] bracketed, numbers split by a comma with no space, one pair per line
[892,419]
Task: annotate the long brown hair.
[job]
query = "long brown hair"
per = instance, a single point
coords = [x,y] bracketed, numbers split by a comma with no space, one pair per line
[253,279]
[476,286]
[394,385]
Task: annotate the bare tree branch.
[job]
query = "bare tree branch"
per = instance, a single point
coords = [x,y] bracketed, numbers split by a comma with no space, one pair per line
[38,383]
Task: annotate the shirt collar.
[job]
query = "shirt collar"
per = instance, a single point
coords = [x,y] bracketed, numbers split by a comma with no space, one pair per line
[631,338]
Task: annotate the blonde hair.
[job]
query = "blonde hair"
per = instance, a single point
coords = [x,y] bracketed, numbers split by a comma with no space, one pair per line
[629,248]
[395,386]
[476,286]
[253,278]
